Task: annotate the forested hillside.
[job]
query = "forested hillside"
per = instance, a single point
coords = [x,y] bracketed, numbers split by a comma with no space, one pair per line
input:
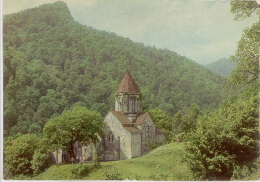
[222,66]
[52,63]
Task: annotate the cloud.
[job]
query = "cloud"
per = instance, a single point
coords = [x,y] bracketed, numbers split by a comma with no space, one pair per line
[14,6]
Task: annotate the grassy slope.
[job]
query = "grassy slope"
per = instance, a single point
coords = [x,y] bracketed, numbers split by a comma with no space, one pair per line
[163,163]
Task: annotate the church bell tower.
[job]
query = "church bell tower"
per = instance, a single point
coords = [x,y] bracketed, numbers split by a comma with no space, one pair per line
[128,98]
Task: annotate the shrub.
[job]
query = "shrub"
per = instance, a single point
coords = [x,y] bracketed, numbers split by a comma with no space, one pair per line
[115,175]
[163,177]
[159,177]
[155,143]
[248,171]
[41,158]
[138,177]
[163,122]
[26,155]
[20,154]
[40,161]
[82,169]
[223,141]
[21,177]
[152,177]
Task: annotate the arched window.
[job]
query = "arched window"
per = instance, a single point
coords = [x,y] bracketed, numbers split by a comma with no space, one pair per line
[125,105]
[110,136]
[133,105]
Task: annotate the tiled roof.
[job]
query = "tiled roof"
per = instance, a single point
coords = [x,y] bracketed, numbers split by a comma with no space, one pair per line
[125,122]
[159,131]
[140,118]
[127,84]
[132,130]
[121,117]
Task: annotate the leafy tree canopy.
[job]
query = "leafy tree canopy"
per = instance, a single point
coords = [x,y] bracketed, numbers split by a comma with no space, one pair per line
[80,125]
[247,57]
[224,140]
[26,154]
[163,122]
[247,54]
[185,121]
[244,9]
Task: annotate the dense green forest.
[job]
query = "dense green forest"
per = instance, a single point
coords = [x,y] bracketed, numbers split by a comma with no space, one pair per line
[52,63]
[222,66]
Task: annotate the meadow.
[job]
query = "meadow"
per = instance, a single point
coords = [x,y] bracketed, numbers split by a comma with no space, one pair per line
[163,163]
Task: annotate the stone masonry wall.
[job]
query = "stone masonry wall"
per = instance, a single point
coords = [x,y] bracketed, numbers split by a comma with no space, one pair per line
[121,140]
[136,144]
[128,103]
[148,134]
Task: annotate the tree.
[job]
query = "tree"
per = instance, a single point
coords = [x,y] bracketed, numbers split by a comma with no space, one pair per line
[224,140]
[35,129]
[247,57]
[41,157]
[19,155]
[80,125]
[163,122]
[185,121]
[247,54]
[243,9]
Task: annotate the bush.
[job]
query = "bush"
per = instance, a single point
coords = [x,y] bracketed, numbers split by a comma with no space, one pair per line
[40,161]
[82,169]
[41,158]
[163,122]
[155,143]
[21,177]
[26,155]
[247,172]
[20,154]
[223,141]
[115,175]
[152,177]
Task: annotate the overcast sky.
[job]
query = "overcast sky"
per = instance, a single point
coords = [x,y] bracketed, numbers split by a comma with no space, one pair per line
[203,31]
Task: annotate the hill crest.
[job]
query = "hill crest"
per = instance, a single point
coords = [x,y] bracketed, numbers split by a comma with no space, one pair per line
[52,63]
[222,66]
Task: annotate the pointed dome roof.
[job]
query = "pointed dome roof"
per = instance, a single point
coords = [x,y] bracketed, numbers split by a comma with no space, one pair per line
[127,84]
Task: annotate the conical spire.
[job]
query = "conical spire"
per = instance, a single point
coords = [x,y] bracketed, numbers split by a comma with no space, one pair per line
[127,85]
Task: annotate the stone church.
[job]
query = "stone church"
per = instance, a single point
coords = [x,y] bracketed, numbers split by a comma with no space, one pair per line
[129,131]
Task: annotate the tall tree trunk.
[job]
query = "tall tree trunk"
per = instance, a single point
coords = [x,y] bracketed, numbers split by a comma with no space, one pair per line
[71,151]
[96,154]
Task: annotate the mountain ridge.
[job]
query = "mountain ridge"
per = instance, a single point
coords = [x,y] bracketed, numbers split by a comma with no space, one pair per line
[222,66]
[52,63]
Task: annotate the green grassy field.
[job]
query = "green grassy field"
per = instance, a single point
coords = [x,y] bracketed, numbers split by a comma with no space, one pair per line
[163,163]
